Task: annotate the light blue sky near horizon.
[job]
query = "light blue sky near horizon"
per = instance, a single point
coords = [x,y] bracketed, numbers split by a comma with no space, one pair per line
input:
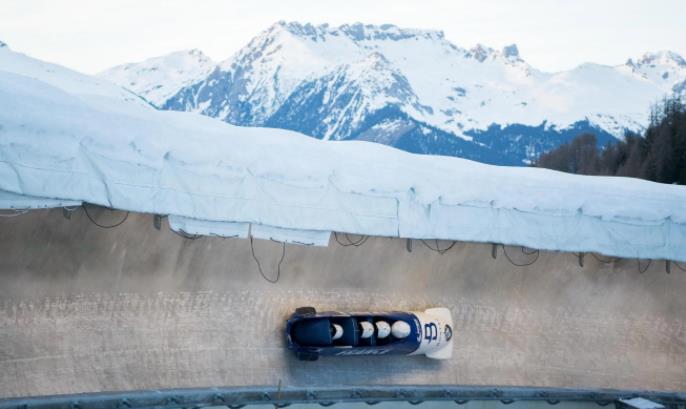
[551,35]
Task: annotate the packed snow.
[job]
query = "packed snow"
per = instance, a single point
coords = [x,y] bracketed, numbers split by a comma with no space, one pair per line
[70,138]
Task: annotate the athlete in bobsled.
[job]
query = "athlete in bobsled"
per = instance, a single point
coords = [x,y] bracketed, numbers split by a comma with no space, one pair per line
[311,334]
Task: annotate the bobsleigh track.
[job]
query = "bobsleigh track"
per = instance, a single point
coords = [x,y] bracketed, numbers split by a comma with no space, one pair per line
[86,309]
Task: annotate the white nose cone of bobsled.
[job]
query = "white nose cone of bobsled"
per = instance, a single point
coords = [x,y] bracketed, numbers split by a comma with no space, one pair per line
[382,329]
[338,332]
[367,329]
[400,329]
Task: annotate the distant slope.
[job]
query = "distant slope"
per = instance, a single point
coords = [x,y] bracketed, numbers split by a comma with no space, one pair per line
[337,83]
[157,79]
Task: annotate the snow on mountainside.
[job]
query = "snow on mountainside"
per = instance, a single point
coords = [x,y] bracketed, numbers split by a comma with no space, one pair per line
[415,90]
[67,138]
[336,104]
[95,90]
[664,68]
[157,79]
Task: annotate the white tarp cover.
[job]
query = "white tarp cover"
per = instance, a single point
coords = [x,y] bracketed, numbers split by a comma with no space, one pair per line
[208,228]
[71,137]
[295,236]
[243,230]
[13,201]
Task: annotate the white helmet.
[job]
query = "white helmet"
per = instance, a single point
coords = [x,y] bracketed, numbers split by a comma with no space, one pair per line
[367,329]
[338,332]
[400,329]
[382,329]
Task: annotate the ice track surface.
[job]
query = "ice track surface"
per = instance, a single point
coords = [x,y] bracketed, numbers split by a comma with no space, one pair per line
[84,309]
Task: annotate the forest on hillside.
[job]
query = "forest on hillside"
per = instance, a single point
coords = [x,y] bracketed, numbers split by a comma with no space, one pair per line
[658,155]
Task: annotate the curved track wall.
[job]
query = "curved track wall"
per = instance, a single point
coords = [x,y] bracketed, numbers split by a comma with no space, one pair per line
[84,309]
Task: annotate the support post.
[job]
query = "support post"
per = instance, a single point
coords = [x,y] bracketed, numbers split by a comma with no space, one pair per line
[157,222]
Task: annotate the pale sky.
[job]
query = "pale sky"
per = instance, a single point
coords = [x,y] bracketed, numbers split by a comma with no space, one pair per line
[91,35]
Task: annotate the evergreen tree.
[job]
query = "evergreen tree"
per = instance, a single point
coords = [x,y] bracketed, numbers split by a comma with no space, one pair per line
[659,155]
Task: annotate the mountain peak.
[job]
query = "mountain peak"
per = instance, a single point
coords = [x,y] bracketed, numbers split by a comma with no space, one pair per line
[661,57]
[298,29]
[666,68]
[355,31]
[377,60]
[3,45]
[158,78]
[480,52]
[177,59]
[195,51]
[194,54]
[366,32]
[511,51]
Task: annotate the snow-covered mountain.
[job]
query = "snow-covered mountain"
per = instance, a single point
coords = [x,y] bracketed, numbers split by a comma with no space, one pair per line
[336,105]
[159,78]
[415,90]
[664,68]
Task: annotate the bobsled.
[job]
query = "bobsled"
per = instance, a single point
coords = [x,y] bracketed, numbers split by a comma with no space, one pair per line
[311,334]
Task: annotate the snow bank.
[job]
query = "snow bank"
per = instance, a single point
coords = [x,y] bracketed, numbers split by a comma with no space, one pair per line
[59,142]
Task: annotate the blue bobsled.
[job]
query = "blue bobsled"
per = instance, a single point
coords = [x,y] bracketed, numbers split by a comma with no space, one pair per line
[311,334]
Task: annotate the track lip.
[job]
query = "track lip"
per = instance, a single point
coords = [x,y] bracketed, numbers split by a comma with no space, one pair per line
[250,395]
